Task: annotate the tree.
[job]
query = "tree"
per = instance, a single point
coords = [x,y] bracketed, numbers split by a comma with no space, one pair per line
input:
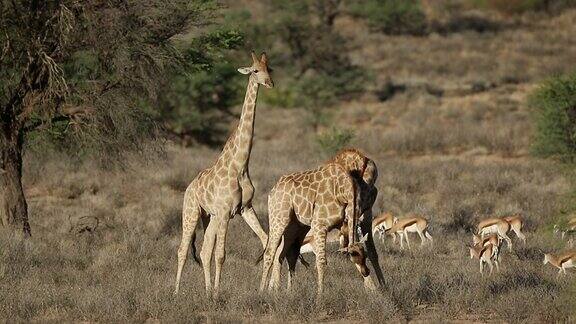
[83,71]
[554,115]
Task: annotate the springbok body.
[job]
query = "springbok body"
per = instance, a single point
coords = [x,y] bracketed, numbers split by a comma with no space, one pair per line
[561,261]
[485,254]
[495,226]
[569,228]
[492,239]
[382,223]
[516,224]
[414,224]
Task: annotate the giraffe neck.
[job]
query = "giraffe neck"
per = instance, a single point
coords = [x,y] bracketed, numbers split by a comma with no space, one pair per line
[240,144]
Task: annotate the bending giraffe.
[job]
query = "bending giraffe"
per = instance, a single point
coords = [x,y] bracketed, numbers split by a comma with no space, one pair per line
[322,199]
[364,171]
[225,189]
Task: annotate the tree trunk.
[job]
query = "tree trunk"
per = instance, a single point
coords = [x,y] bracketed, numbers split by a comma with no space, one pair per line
[15,208]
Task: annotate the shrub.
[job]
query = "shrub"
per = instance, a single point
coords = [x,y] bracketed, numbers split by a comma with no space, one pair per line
[510,7]
[198,99]
[554,107]
[333,140]
[392,16]
[308,53]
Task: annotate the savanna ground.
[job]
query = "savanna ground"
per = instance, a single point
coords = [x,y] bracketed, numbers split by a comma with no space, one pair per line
[448,125]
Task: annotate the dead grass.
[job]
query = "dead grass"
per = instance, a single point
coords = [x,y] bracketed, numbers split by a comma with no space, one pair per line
[454,154]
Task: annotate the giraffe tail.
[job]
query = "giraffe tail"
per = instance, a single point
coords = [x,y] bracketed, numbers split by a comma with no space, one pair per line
[261,256]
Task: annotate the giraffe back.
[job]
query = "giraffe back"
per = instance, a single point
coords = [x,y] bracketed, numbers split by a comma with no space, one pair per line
[328,188]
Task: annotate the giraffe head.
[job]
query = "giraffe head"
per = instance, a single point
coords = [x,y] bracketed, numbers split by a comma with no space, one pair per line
[357,255]
[259,70]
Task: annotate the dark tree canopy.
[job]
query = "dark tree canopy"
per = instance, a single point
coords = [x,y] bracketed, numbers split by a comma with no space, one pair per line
[80,73]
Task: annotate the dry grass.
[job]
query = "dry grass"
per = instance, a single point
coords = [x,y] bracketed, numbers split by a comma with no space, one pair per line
[454,153]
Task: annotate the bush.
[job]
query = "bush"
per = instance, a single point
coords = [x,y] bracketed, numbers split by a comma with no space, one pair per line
[333,140]
[510,7]
[197,100]
[309,55]
[392,16]
[554,104]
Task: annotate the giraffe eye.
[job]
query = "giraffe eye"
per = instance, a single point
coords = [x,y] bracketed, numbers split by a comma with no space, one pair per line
[255,71]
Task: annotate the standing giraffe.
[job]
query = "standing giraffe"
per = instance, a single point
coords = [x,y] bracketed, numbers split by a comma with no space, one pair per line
[323,199]
[225,189]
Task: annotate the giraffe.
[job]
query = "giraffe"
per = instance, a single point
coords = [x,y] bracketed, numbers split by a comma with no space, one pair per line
[225,189]
[364,171]
[322,199]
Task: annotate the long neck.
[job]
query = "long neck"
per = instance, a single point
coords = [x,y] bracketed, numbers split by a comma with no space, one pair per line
[240,144]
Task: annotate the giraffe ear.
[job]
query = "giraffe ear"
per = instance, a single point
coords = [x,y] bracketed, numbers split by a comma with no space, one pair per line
[254,57]
[264,59]
[245,70]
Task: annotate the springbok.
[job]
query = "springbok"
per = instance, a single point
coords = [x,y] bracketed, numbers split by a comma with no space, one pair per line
[561,261]
[415,224]
[516,224]
[492,239]
[502,226]
[485,254]
[569,228]
[495,226]
[382,223]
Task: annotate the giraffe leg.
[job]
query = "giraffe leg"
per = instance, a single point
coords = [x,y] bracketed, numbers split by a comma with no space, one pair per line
[205,221]
[292,258]
[251,219]
[278,224]
[320,251]
[277,265]
[190,215]
[220,252]
[207,250]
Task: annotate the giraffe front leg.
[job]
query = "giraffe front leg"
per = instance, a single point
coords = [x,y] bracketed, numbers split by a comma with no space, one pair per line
[320,252]
[220,252]
[249,216]
[206,252]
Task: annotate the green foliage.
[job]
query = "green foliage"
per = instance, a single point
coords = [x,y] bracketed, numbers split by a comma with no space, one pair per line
[196,103]
[391,16]
[98,68]
[554,104]
[307,53]
[333,140]
[510,7]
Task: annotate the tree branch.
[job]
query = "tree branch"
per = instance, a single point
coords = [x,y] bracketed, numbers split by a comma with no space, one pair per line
[68,113]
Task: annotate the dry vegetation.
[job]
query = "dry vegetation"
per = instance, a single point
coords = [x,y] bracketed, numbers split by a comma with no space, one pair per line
[450,139]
